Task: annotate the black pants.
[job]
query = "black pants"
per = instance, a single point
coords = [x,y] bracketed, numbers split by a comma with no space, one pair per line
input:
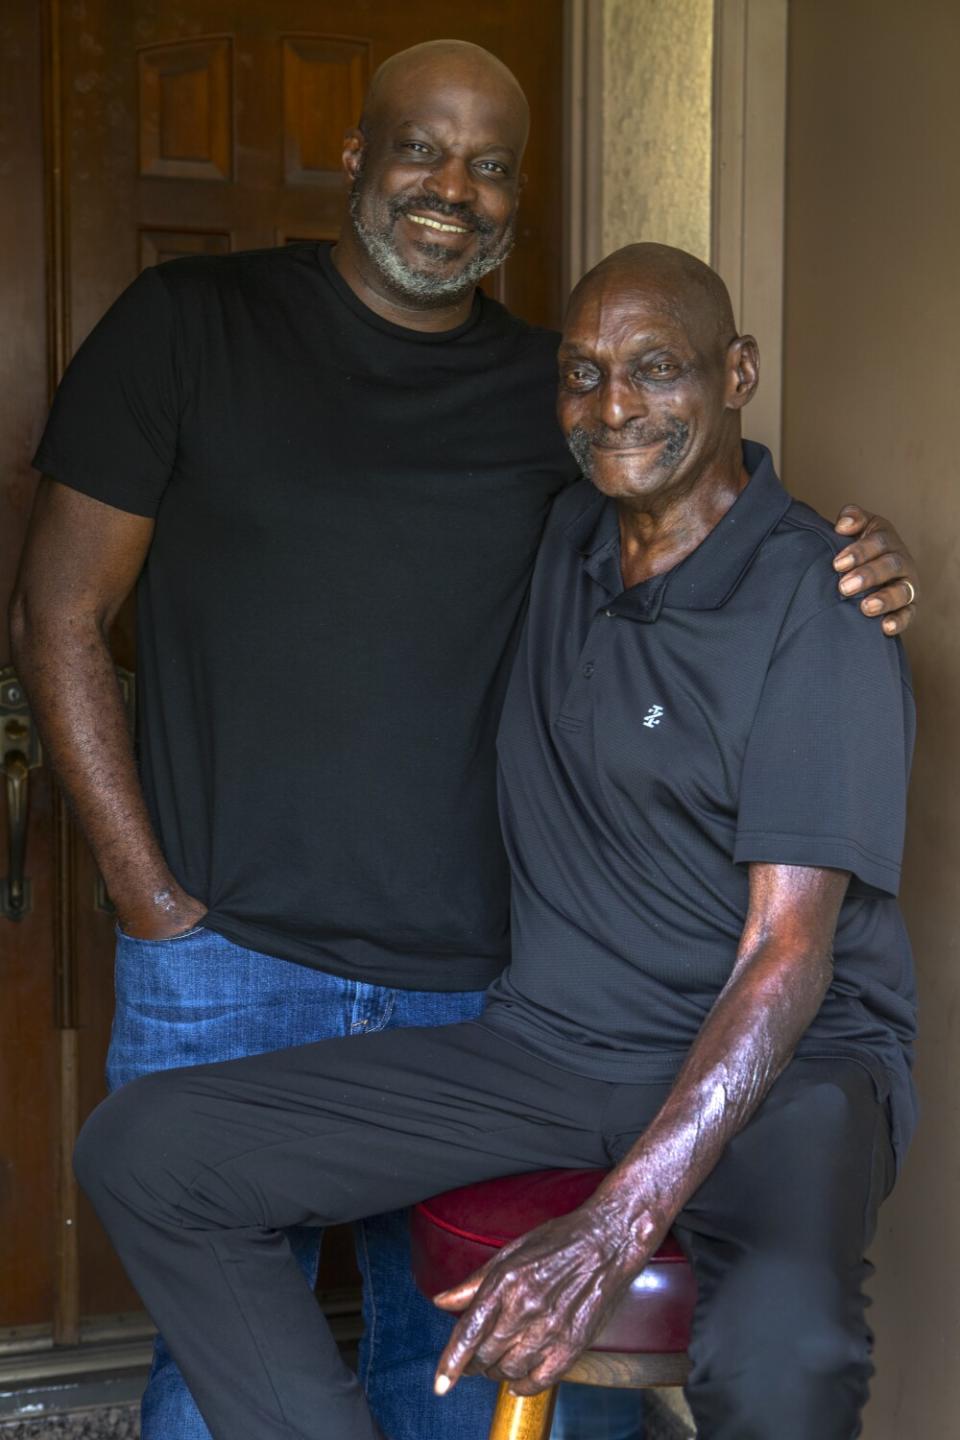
[196,1172]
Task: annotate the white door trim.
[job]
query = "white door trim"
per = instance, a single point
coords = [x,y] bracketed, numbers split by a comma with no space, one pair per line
[747,203]
[582,138]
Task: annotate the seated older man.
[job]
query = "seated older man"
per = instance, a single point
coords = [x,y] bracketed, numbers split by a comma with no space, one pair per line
[703,766]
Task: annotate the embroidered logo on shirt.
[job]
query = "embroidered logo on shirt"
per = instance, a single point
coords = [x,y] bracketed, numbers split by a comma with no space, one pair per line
[653,716]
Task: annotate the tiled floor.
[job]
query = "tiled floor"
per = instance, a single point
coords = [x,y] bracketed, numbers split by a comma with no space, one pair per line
[121,1422]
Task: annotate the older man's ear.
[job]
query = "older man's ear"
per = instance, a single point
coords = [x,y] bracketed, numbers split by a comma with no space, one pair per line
[743,361]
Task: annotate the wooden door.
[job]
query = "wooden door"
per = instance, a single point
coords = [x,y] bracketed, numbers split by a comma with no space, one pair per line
[168,129]
[29,1049]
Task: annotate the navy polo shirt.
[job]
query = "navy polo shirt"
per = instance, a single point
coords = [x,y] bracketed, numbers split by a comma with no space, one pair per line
[657,739]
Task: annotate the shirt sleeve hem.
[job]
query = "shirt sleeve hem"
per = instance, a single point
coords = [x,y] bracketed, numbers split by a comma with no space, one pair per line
[831,852]
[98,487]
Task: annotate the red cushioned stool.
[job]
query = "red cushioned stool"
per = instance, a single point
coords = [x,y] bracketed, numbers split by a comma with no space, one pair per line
[645,1342]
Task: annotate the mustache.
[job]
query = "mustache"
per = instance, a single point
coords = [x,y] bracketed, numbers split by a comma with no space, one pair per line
[631,437]
[454,210]
[583,442]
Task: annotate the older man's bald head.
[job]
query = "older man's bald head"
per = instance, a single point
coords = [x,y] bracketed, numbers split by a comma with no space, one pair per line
[684,286]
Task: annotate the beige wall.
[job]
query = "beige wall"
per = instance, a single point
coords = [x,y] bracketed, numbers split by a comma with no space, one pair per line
[872,366]
[656,151]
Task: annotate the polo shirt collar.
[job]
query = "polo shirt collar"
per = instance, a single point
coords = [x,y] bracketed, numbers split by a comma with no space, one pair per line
[709,575]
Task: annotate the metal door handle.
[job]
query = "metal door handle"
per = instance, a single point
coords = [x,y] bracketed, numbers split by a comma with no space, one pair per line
[17,774]
[19,754]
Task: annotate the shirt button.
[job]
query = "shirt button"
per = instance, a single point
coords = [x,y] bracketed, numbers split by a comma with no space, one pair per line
[609,614]
[588,669]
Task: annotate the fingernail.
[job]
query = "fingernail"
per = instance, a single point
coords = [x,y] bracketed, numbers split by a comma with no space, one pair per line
[843,562]
[872,607]
[890,626]
[441,1385]
[851,585]
[846,521]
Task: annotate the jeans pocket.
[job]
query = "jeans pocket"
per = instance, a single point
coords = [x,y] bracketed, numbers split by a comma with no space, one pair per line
[171,1005]
[124,937]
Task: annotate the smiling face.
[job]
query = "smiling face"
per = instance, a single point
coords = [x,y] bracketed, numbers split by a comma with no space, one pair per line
[652,375]
[436,172]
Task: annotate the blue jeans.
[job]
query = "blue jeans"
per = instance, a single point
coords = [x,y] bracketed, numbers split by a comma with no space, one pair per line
[199,998]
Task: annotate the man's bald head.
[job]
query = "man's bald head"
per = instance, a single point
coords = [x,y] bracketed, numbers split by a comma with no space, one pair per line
[421,69]
[683,284]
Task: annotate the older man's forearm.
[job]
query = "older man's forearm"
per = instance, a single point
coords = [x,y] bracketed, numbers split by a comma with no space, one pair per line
[541,1300]
[747,1040]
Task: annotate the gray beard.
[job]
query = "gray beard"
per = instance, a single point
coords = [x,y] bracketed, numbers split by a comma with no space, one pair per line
[422,286]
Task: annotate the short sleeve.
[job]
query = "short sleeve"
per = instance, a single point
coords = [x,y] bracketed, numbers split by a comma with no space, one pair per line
[112,431]
[824,780]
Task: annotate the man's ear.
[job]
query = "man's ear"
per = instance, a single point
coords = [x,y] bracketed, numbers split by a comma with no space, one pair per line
[743,371]
[353,148]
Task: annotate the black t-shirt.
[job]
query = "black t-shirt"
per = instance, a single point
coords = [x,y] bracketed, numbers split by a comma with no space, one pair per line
[657,739]
[347,514]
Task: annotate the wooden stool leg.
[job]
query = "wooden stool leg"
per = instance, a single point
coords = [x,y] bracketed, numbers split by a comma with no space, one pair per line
[523,1417]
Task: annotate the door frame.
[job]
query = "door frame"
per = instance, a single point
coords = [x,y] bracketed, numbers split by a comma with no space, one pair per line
[748,185]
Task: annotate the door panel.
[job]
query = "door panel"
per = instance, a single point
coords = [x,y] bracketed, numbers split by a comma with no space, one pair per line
[171,130]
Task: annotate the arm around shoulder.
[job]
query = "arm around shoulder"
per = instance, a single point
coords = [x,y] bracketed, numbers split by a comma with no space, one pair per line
[879,566]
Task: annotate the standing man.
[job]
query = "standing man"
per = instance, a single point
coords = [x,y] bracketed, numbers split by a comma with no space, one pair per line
[314,464]
[702,778]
